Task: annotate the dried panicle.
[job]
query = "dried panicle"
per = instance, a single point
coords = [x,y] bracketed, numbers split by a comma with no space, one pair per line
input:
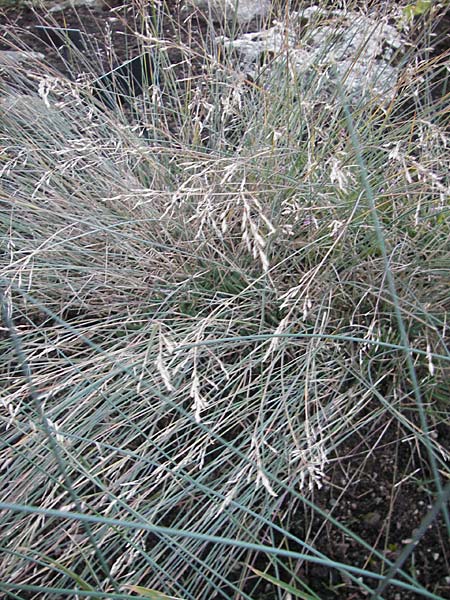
[261,477]
[431,368]
[200,108]
[200,402]
[340,174]
[251,229]
[59,92]
[231,100]
[166,348]
[55,430]
[275,341]
[311,463]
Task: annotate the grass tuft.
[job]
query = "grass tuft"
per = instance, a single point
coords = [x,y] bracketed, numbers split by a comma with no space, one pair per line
[214,296]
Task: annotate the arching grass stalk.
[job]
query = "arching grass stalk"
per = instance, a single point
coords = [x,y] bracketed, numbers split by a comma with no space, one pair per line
[214,539]
[67,481]
[124,368]
[70,592]
[440,504]
[393,291]
[242,338]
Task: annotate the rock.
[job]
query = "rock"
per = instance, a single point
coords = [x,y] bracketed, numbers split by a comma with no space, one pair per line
[61,36]
[60,6]
[372,520]
[11,58]
[243,11]
[319,46]
[22,104]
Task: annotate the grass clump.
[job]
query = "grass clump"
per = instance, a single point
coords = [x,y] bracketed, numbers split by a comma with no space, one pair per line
[212,295]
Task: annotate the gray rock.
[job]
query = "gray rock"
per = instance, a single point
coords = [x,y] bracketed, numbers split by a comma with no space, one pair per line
[322,46]
[59,6]
[11,58]
[243,11]
[23,105]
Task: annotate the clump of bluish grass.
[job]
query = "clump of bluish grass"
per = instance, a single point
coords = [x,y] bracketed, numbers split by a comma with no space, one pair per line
[206,294]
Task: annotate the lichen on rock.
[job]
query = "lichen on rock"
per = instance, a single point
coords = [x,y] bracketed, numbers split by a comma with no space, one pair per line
[319,47]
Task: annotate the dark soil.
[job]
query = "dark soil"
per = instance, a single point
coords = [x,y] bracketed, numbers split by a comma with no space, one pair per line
[375,491]
[108,35]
